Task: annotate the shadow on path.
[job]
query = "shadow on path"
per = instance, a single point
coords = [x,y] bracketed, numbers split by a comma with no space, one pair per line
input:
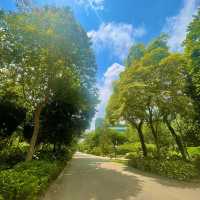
[165,181]
[93,178]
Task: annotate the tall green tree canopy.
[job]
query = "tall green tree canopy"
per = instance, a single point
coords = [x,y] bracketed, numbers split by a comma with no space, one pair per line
[192,52]
[152,90]
[49,56]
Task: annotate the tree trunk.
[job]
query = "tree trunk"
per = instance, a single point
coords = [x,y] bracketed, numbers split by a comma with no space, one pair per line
[115,151]
[141,137]
[177,139]
[154,132]
[54,147]
[155,139]
[35,133]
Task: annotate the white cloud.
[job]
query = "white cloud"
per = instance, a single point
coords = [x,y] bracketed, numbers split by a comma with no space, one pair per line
[93,4]
[176,26]
[106,89]
[117,37]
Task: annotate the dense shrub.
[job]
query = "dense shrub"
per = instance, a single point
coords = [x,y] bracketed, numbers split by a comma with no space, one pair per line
[173,155]
[178,169]
[197,162]
[136,148]
[26,180]
[131,155]
[47,154]
[194,151]
[96,151]
[18,185]
[12,155]
[127,148]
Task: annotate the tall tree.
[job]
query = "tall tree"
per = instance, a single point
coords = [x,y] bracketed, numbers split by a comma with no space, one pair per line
[192,52]
[137,88]
[173,101]
[152,90]
[122,107]
[51,46]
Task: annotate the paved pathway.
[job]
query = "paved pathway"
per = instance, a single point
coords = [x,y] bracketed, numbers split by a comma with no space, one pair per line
[95,178]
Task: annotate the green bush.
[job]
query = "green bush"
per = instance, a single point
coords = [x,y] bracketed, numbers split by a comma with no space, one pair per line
[173,155]
[18,185]
[136,148]
[127,148]
[178,169]
[26,180]
[197,162]
[131,155]
[1,198]
[152,151]
[194,151]
[64,155]
[96,151]
[10,156]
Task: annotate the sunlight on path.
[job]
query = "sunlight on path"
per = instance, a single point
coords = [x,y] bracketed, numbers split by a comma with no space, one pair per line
[96,178]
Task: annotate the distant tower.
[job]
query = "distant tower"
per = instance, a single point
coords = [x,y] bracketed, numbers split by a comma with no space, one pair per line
[24,5]
[24,2]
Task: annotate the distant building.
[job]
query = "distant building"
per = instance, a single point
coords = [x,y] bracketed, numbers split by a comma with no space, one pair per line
[118,128]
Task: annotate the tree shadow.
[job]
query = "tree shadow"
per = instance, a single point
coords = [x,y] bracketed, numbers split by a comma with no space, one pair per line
[94,178]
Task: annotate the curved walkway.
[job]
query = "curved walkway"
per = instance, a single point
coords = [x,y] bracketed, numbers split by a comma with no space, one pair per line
[95,178]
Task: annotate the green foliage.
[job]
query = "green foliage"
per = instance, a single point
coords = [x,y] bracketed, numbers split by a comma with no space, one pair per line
[194,151]
[129,148]
[63,154]
[159,42]
[192,53]
[197,162]
[151,92]
[46,57]
[177,169]
[12,112]
[135,148]
[11,155]
[47,78]
[135,53]
[17,186]
[191,134]
[103,141]
[29,179]
[96,151]
[62,122]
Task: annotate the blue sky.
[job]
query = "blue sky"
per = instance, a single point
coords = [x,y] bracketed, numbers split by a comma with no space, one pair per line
[115,25]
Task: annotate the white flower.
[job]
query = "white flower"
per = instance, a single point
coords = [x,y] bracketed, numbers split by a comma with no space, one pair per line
[30,97]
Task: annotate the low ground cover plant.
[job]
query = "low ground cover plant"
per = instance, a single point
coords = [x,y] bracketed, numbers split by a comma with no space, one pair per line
[175,169]
[28,180]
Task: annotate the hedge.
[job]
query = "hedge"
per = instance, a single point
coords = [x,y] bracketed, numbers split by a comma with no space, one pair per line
[27,180]
[135,148]
[175,169]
